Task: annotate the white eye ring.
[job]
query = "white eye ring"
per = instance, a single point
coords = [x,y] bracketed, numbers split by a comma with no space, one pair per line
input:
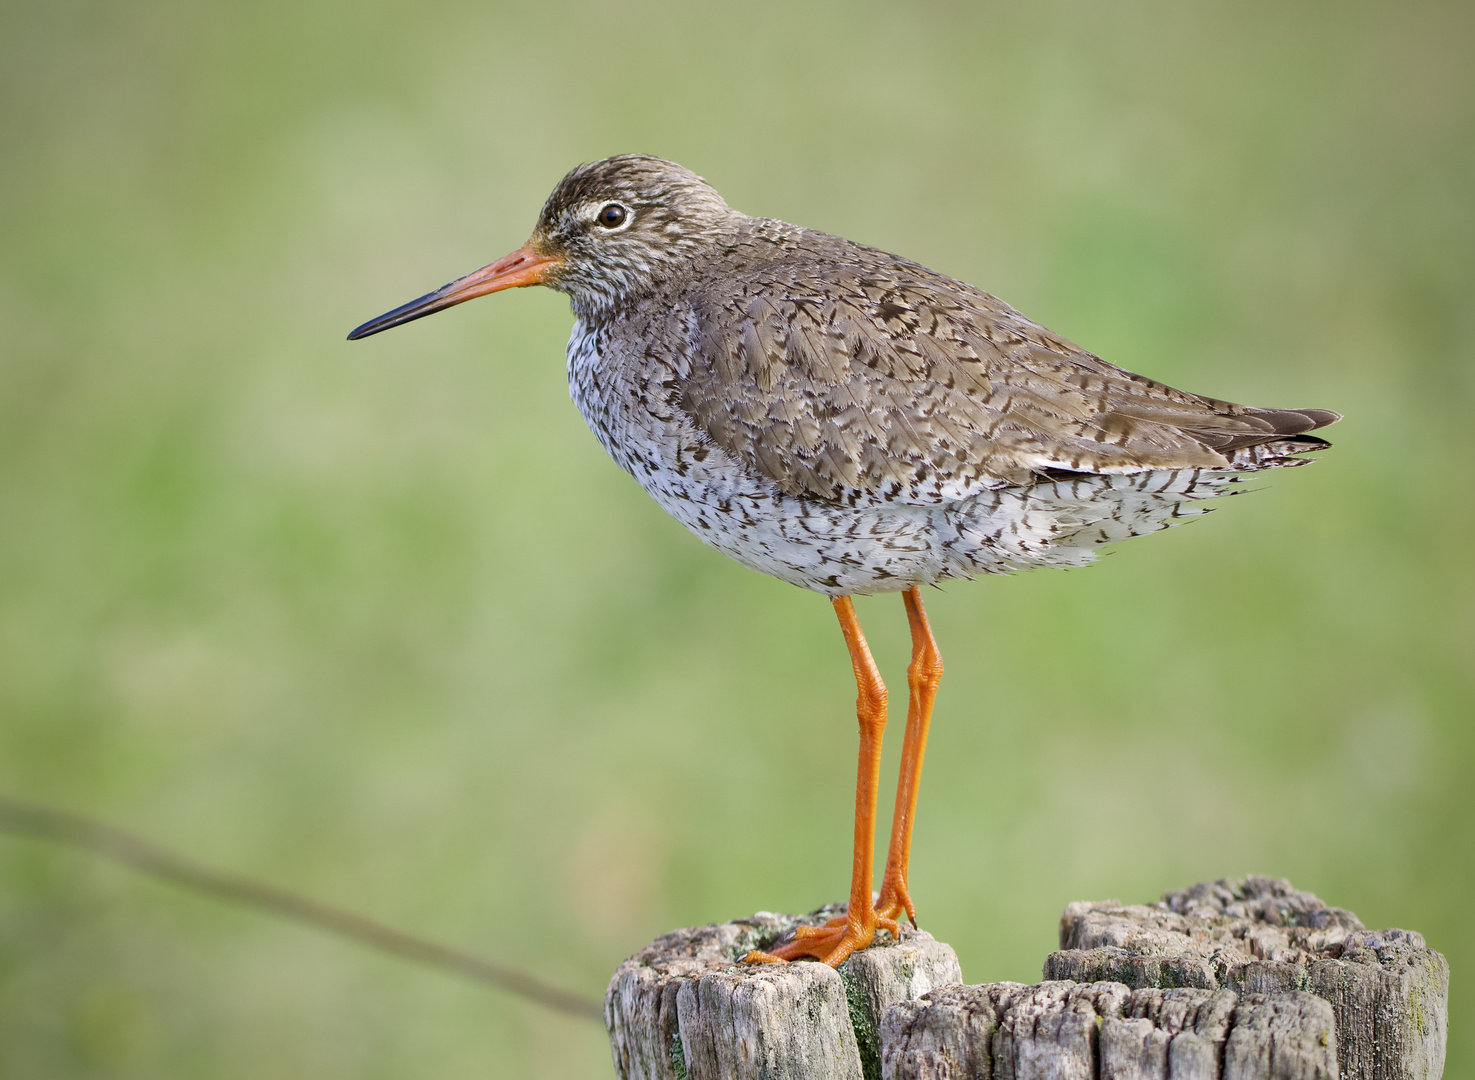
[614,217]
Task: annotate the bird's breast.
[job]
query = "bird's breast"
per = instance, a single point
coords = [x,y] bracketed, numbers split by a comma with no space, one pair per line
[627,389]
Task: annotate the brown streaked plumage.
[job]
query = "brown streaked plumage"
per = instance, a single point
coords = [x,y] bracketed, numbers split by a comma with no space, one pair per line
[852,422]
[844,372]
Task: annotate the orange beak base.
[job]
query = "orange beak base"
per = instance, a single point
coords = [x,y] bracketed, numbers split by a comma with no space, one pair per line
[523,267]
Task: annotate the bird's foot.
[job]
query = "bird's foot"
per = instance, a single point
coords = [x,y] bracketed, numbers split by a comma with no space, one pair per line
[894,900]
[831,943]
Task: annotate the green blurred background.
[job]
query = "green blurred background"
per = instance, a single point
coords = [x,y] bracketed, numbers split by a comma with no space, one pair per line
[380,622]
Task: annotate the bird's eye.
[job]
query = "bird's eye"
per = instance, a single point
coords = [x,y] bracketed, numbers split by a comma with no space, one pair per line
[612,215]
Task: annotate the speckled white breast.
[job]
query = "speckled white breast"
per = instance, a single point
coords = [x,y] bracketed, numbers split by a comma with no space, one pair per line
[875,546]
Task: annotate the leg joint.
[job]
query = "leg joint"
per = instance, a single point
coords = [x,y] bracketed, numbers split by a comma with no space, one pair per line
[926,669]
[927,666]
[870,703]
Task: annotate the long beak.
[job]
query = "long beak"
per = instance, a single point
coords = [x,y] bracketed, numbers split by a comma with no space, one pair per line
[523,267]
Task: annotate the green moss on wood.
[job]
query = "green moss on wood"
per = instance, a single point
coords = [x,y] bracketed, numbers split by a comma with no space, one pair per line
[867,1038]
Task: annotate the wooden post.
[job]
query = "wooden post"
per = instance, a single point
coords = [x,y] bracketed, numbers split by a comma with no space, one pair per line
[1083,1031]
[683,1008]
[1388,991]
[1230,980]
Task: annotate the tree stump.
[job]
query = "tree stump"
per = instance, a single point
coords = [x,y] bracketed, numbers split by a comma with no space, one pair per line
[1246,980]
[1082,1031]
[683,1008]
[1388,991]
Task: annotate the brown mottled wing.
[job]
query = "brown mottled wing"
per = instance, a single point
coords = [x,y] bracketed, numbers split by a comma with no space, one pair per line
[841,379]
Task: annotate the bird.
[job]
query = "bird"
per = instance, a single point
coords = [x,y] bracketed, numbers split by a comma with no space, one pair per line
[852,422]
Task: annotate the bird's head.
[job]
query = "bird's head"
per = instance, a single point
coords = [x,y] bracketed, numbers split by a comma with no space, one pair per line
[611,232]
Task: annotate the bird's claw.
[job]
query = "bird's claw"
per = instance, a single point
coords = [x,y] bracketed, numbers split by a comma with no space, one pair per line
[894,900]
[831,943]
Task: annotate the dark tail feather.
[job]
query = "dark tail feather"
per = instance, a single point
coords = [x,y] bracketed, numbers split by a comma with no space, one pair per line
[1276,426]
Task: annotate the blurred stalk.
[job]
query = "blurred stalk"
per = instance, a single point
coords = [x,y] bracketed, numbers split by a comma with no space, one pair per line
[62,827]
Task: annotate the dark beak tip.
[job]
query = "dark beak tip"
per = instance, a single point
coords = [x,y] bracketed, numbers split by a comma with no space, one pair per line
[415,309]
[509,272]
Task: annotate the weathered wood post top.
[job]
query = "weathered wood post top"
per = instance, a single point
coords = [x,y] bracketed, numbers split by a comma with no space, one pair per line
[1229,980]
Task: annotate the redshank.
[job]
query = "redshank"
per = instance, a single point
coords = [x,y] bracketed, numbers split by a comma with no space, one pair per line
[851,422]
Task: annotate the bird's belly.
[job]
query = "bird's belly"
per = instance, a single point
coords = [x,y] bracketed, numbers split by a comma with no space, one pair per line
[886,547]
[834,550]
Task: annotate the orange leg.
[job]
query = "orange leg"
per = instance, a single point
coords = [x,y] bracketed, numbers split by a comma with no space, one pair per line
[923,676]
[835,941]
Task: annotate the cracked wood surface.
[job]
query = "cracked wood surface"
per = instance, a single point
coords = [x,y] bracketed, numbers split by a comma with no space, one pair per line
[1227,980]
[684,1008]
[1388,990]
[1084,1031]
